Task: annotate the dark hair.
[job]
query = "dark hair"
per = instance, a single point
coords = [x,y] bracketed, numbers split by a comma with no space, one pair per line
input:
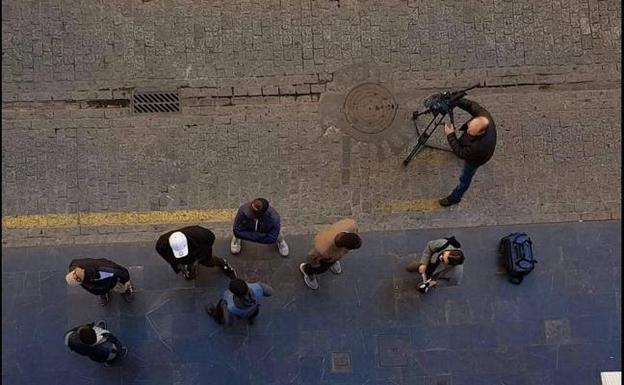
[264,205]
[87,335]
[349,241]
[455,257]
[238,287]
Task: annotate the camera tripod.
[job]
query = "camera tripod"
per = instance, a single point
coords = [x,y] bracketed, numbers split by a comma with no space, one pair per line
[421,142]
[439,105]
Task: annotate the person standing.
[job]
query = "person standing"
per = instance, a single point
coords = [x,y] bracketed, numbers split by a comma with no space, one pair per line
[257,222]
[441,263]
[184,249]
[100,276]
[97,343]
[240,301]
[330,245]
[476,146]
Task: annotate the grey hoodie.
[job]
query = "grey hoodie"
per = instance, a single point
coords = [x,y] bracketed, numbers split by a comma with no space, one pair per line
[445,275]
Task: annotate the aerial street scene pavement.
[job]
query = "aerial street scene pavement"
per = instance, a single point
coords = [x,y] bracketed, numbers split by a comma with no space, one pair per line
[311,192]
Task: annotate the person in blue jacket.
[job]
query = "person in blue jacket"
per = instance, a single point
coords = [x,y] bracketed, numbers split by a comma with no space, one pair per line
[257,222]
[240,301]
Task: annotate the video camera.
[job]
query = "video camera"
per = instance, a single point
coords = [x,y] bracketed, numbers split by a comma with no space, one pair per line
[444,102]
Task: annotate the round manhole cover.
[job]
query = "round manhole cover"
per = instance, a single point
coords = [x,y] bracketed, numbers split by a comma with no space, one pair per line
[370,108]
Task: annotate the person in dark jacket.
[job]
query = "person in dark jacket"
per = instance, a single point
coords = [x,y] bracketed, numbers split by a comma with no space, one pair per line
[476,146]
[240,301]
[97,343]
[100,276]
[257,222]
[189,246]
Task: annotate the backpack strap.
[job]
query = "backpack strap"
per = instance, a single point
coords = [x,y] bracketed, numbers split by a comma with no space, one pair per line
[451,241]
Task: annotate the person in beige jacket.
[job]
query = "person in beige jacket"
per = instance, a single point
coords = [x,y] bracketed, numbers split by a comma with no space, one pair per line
[330,245]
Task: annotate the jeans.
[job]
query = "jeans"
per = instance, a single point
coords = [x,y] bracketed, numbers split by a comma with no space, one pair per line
[464,182]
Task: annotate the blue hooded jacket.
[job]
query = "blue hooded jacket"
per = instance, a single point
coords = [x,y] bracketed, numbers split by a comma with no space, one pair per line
[256,291]
[265,229]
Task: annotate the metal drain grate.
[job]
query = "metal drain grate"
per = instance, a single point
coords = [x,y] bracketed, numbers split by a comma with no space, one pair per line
[150,102]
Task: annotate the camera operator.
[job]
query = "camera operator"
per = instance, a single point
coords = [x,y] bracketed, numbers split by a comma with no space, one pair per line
[476,146]
[441,263]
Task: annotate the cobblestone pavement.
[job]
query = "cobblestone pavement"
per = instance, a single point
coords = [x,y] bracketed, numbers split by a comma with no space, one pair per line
[561,326]
[263,86]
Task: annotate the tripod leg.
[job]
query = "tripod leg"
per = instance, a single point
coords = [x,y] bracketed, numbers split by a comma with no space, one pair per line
[422,138]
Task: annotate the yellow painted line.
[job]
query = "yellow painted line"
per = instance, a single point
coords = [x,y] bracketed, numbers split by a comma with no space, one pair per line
[116,218]
[409,206]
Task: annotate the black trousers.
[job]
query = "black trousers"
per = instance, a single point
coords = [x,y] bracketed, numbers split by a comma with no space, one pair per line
[311,270]
[431,268]
[213,261]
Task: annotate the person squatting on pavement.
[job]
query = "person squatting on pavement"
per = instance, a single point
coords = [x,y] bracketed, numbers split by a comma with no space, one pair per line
[441,261]
[330,245]
[240,301]
[257,222]
[476,146]
[186,248]
[97,343]
[100,276]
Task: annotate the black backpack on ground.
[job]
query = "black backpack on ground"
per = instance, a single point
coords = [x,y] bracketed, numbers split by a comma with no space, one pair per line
[516,251]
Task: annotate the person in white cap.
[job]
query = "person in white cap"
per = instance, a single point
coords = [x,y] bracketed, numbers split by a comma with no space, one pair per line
[100,276]
[189,246]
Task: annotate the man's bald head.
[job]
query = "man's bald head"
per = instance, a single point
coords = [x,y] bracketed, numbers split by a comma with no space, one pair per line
[478,125]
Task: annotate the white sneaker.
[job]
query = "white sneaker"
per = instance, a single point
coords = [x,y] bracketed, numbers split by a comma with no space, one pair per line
[311,281]
[283,248]
[336,268]
[235,245]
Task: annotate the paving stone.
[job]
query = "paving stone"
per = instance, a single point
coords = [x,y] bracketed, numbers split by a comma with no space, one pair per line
[557,331]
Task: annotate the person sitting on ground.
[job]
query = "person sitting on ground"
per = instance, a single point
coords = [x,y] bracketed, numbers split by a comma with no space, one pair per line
[257,222]
[441,261]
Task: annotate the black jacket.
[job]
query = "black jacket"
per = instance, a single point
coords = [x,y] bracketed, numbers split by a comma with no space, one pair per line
[200,241]
[98,352]
[93,267]
[475,150]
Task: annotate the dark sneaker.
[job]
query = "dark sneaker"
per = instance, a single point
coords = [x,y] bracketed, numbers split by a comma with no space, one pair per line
[229,271]
[189,274]
[212,312]
[122,353]
[104,299]
[448,201]
[127,295]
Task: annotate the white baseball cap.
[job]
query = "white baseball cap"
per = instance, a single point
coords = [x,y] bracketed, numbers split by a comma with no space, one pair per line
[178,244]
